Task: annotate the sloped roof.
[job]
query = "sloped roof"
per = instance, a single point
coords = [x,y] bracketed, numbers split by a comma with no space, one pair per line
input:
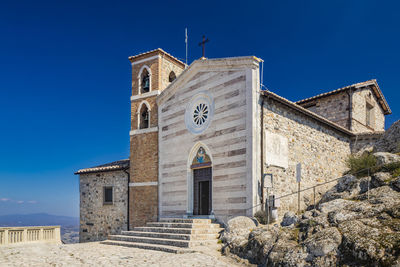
[112,166]
[306,112]
[376,90]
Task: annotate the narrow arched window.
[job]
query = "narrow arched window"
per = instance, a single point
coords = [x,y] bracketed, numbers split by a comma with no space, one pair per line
[144,117]
[145,81]
[172,76]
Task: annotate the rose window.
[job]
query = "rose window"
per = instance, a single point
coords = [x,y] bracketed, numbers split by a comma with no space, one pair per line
[200,114]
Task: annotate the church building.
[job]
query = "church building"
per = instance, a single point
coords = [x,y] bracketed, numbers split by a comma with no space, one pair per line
[203,138]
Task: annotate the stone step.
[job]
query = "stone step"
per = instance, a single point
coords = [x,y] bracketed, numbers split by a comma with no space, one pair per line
[183,225]
[164,248]
[179,220]
[171,235]
[151,240]
[187,231]
[162,241]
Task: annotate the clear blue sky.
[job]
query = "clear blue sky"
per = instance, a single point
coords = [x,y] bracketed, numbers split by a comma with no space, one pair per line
[65,75]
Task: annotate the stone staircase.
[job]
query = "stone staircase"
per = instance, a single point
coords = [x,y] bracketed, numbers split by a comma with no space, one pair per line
[169,235]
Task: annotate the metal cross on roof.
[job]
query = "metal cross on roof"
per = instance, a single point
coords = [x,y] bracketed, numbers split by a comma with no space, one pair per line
[202,43]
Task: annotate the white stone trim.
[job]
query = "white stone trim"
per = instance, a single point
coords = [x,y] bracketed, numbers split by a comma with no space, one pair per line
[143,184]
[142,131]
[145,59]
[151,93]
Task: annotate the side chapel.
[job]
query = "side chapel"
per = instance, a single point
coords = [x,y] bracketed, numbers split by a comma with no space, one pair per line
[203,135]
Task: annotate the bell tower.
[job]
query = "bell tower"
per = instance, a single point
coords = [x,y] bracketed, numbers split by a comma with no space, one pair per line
[152,72]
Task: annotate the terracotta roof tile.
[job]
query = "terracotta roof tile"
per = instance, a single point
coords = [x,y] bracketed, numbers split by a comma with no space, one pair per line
[112,166]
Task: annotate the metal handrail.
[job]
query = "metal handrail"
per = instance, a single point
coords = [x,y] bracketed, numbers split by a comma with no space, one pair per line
[368,170]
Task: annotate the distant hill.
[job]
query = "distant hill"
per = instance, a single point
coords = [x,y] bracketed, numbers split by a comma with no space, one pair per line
[37,219]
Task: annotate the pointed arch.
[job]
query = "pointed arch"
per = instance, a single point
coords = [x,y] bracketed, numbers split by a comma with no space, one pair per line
[193,153]
[190,177]
[143,115]
[144,72]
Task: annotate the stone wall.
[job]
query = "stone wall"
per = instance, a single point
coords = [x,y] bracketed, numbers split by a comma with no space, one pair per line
[320,149]
[168,65]
[360,98]
[144,169]
[363,142]
[98,220]
[334,107]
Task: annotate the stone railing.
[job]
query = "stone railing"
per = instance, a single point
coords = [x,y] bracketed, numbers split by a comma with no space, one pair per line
[19,235]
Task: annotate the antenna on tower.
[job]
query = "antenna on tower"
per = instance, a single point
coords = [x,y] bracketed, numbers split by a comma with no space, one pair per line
[186,42]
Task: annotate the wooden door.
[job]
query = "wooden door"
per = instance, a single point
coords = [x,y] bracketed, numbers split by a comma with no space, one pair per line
[202,191]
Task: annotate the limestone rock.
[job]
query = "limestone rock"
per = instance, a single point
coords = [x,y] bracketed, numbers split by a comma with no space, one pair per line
[287,252]
[386,158]
[323,242]
[390,141]
[363,230]
[336,204]
[396,184]
[237,233]
[368,240]
[347,187]
[289,218]
[261,241]
[380,178]
[240,224]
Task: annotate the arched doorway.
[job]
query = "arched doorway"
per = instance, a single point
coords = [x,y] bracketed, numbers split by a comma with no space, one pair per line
[201,182]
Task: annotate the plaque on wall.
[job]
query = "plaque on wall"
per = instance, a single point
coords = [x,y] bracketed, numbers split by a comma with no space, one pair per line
[276,150]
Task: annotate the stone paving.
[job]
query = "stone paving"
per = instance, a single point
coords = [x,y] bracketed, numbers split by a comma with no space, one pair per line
[96,254]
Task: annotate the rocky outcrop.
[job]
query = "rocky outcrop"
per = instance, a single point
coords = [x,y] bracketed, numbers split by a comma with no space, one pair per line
[386,158]
[390,141]
[351,226]
[290,218]
[237,234]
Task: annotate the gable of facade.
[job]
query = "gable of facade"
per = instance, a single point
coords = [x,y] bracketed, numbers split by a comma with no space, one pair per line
[360,107]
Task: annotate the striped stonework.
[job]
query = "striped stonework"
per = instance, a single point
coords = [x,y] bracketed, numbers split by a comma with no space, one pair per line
[229,139]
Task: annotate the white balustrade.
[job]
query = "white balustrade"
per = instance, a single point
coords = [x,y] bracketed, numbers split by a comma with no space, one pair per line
[19,235]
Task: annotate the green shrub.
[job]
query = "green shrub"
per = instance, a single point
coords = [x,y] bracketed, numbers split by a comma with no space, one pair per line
[396,173]
[261,216]
[359,165]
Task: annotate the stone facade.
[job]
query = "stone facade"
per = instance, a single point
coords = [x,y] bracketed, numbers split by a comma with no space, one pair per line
[321,149]
[98,220]
[362,98]
[230,139]
[355,107]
